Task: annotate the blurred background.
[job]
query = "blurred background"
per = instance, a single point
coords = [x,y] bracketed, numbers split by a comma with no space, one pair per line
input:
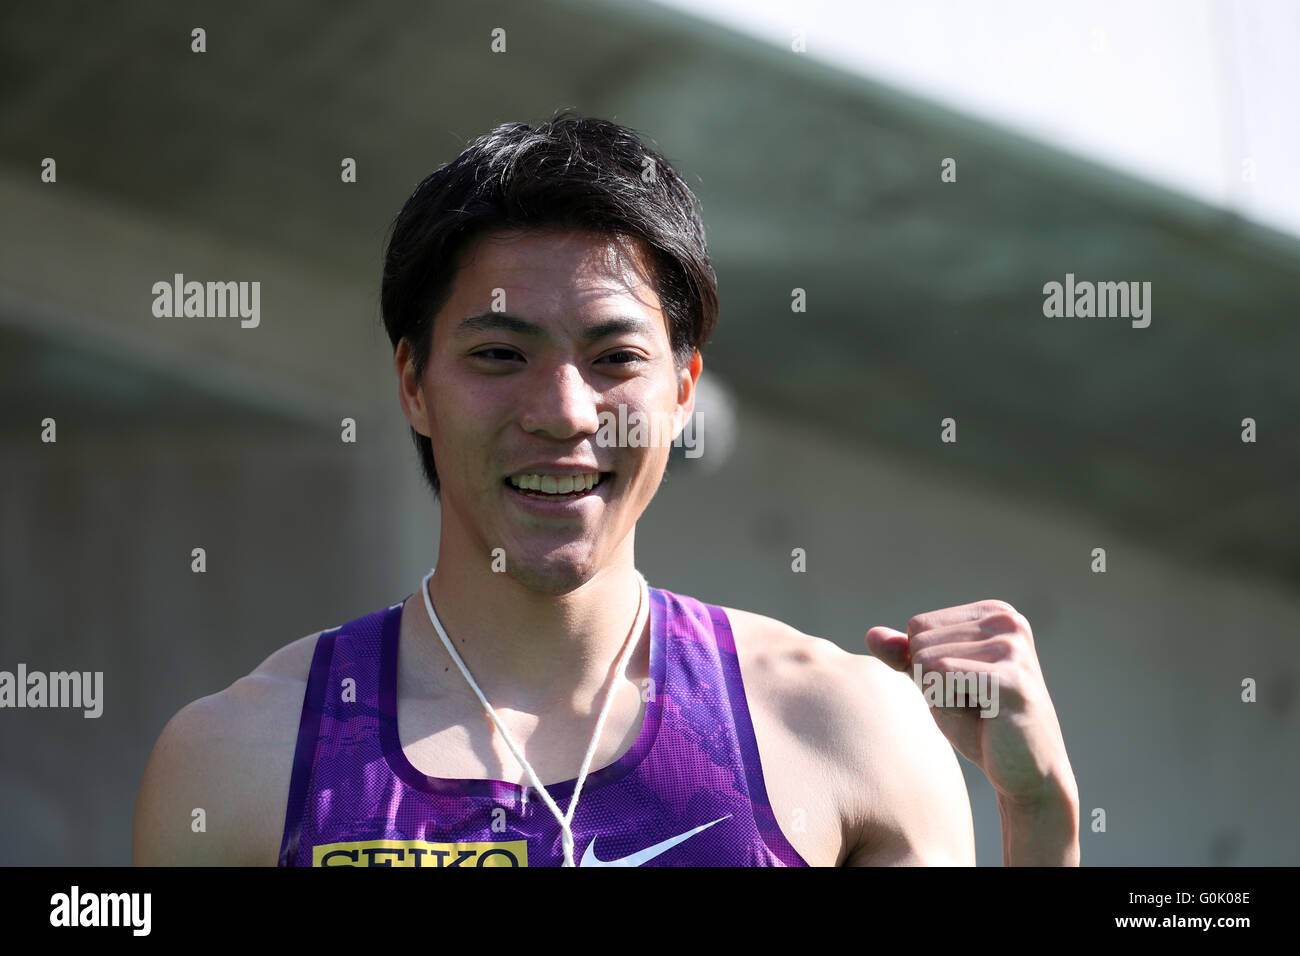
[1151,142]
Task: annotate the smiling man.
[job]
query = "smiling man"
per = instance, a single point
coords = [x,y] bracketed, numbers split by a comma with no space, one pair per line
[535,702]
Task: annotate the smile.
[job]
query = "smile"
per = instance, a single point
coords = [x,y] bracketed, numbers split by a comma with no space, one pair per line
[557,487]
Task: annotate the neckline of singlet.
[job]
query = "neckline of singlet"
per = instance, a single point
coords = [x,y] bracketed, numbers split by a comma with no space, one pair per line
[501,790]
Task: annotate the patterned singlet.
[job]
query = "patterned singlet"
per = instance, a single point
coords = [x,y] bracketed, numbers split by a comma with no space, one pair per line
[689,792]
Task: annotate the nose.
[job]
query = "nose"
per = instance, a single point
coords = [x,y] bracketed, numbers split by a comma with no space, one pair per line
[560,404]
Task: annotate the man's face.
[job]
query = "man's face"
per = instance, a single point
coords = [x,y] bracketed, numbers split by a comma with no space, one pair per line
[565,328]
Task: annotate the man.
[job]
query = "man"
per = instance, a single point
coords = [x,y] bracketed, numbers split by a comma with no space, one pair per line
[537,288]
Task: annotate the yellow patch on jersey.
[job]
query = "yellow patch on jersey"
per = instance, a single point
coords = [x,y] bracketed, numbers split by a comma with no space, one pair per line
[420,853]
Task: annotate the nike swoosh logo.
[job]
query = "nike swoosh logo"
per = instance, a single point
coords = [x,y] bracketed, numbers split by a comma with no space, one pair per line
[643,856]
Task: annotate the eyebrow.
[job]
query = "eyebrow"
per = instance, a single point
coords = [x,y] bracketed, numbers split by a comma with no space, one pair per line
[618,325]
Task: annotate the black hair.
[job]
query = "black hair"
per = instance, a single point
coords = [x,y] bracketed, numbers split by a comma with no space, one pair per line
[571,173]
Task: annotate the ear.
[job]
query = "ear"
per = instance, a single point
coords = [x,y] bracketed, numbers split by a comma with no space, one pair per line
[408,388]
[686,381]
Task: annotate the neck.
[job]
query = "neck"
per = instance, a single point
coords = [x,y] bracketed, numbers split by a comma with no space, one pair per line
[529,650]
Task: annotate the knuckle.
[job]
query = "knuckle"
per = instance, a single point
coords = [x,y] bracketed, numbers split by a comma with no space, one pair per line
[1005,621]
[1004,646]
[995,606]
[941,665]
[1000,622]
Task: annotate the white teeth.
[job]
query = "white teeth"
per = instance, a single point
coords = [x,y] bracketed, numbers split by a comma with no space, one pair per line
[552,485]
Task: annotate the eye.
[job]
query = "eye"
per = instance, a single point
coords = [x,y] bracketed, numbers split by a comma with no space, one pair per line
[495,354]
[622,357]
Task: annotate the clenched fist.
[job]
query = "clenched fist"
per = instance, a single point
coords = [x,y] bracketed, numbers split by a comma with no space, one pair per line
[1006,724]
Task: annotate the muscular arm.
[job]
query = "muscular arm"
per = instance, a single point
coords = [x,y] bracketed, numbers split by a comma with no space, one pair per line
[230,755]
[854,743]
[913,808]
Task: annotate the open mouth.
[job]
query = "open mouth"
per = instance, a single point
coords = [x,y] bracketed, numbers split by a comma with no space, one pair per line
[554,488]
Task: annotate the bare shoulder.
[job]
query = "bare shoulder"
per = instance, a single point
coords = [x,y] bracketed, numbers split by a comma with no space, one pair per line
[863,730]
[819,688]
[226,760]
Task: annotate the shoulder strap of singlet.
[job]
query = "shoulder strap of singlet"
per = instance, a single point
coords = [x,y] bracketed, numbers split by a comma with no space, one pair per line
[746,739]
[304,755]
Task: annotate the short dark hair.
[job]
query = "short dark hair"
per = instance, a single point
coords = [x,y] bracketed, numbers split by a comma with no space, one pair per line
[571,173]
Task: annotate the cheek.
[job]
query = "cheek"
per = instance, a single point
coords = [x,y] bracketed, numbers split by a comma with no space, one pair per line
[652,399]
[467,429]
[451,431]
[655,400]
[456,408]
[645,467]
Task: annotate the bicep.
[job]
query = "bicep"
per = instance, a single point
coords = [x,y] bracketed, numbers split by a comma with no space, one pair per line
[918,811]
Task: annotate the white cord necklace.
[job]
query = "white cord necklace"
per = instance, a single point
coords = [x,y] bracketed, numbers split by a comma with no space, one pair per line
[566,832]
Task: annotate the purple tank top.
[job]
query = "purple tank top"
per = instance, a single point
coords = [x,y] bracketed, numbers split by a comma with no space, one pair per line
[689,792]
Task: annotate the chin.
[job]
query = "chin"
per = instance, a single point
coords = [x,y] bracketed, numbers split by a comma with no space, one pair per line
[554,573]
